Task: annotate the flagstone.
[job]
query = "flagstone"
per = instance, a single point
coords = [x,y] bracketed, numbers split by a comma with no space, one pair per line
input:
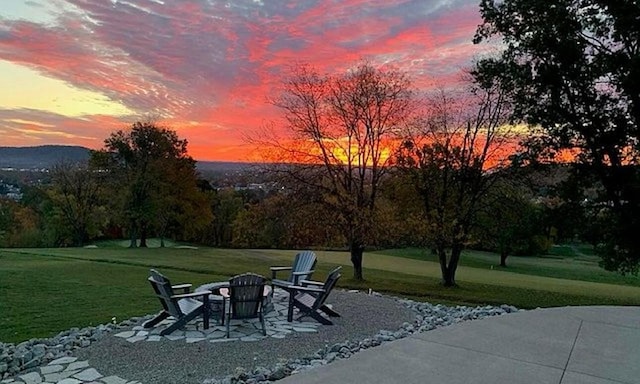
[77,365]
[31,378]
[125,334]
[69,381]
[88,375]
[63,360]
[113,380]
[223,340]
[135,339]
[50,369]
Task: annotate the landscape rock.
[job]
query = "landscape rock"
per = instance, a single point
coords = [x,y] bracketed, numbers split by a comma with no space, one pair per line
[35,352]
[428,317]
[29,354]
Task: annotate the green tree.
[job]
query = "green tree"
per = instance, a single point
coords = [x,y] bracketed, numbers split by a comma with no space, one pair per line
[572,69]
[227,204]
[338,132]
[509,222]
[148,169]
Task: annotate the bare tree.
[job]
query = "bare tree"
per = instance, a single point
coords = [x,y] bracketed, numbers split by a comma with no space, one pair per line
[452,158]
[337,134]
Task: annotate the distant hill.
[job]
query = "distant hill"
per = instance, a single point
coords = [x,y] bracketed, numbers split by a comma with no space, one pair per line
[41,157]
[48,155]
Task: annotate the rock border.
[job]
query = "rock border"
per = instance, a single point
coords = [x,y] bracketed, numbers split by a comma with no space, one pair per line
[428,317]
[33,353]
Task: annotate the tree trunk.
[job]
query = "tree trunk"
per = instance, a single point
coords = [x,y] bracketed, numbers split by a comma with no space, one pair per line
[143,237]
[80,236]
[448,269]
[356,259]
[161,242]
[503,258]
[133,236]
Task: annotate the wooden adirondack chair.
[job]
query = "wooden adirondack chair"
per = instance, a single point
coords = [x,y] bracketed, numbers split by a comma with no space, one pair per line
[301,269]
[183,307]
[246,293]
[310,296]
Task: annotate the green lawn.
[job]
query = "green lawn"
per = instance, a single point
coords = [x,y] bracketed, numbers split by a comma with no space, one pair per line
[44,291]
[583,266]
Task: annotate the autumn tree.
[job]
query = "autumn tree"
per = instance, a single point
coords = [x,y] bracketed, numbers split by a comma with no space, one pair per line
[76,192]
[337,132]
[149,171]
[452,158]
[572,69]
[20,225]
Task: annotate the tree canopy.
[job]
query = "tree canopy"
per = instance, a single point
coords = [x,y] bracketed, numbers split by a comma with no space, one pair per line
[572,69]
[338,132]
[153,179]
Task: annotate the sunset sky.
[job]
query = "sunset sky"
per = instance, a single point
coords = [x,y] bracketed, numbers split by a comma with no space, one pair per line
[72,71]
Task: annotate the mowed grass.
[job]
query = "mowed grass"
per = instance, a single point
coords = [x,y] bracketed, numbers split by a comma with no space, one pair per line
[44,291]
[562,264]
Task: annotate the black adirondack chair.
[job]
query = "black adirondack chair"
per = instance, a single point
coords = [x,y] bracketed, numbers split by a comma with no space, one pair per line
[301,269]
[246,294]
[183,307]
[310,297]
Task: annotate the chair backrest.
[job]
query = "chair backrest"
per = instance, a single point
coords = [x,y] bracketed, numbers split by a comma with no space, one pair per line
[331,281]
[162,287]
[245,295]
[304,261]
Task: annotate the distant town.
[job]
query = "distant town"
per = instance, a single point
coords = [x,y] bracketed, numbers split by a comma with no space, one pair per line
[29,166]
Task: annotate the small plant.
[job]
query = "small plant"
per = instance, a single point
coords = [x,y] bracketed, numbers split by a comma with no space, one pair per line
[113,320]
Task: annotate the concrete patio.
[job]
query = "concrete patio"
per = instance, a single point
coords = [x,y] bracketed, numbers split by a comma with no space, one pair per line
[569,345]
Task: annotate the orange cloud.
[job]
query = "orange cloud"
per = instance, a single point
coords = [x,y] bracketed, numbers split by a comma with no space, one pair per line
[208,68]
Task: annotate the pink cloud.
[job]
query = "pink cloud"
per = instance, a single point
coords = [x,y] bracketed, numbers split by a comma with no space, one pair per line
[208,68]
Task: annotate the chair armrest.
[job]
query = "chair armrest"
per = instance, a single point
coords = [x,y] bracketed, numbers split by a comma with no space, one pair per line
[305,289]
[193,294]
[310,282]
[185,287]
[280,268]
[274,270]
[303,273]
[296,276]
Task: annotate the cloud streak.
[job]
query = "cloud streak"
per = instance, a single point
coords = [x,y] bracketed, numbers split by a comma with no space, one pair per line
[207,67]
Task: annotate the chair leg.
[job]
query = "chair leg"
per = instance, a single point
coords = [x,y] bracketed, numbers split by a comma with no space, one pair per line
[264,328]
[290,310]
[224,312]
[228,316]
[159,317]
[319,318]
[329,311]
[177,325]
[205,312]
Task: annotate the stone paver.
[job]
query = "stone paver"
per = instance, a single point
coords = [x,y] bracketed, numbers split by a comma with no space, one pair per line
[66,370]
[88,375]
[248,330]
